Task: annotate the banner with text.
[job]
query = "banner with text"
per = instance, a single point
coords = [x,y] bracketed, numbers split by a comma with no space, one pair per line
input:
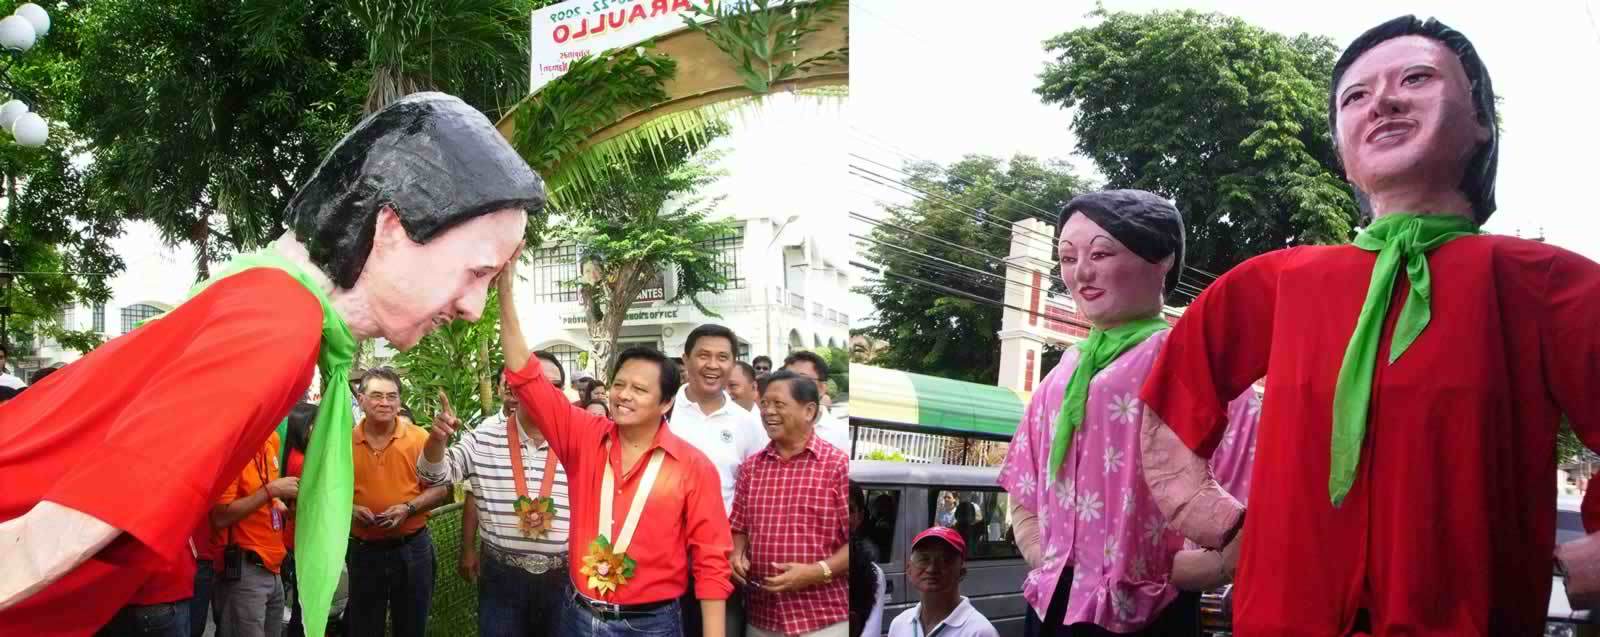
[567,31]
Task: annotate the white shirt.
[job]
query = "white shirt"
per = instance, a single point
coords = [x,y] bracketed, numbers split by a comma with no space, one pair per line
[833,430]
[727,436]
[9,380]
[964,621]
[483,457]
[874,624]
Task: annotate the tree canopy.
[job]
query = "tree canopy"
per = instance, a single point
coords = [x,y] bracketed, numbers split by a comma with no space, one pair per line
[1226,118]
[955,236]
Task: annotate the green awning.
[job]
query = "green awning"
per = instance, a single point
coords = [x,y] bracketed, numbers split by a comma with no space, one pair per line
[892,399]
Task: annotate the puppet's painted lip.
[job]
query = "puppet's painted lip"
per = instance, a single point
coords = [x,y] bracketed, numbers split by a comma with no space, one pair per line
[1090,294]
[1390,130]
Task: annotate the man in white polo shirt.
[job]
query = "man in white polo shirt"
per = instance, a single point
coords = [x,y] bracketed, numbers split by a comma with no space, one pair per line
[705,416]
[937,565]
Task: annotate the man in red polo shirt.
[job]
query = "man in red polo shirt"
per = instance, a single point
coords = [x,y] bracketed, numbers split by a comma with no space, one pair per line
[646,506]
[1416,380]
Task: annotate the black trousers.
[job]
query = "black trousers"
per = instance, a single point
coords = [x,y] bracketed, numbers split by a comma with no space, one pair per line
[1181,618]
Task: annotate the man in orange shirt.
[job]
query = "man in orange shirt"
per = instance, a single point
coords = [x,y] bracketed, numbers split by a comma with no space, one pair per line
[248,522]
[391,556]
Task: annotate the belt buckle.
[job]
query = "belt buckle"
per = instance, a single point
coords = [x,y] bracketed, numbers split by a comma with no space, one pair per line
[609,609]
[539,564]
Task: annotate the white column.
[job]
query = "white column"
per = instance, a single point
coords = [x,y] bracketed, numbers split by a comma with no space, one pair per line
[1022,328]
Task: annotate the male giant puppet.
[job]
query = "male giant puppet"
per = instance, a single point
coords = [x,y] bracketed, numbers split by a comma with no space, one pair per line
[106,467]
[1103,559]
[1402,483]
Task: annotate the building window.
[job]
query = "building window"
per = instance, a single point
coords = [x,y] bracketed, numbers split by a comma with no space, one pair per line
[133,315]
[65,320]
[727,249]
[100,318]
[554,268]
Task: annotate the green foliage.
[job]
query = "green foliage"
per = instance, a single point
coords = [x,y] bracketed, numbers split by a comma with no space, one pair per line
[838,361]
[50,224]
[1226,118]
[764,38]
[932,332]
[647,218]
[203,116]
[458,358]
[555,124]
[892,456]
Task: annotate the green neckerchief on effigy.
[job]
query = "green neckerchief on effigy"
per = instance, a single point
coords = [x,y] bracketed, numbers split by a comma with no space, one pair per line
[327,486]
[1095,353]
[1396,238]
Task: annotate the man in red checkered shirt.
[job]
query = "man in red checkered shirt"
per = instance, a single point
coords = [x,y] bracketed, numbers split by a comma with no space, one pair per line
[790,520]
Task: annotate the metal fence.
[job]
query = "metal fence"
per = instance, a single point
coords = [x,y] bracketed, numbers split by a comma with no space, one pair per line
[455,600]
[928,448]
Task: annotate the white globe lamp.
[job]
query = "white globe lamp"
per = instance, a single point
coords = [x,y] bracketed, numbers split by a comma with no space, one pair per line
[16,33]
[10,111]
[30,130]
[36,16]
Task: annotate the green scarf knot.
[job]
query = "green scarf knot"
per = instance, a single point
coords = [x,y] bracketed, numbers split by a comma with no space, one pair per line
[1396,238]
[327,488]
[1096,352]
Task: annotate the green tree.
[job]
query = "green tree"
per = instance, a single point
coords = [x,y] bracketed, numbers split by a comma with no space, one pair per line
[53,233]
[460,359]
[1228,119]
[962,223]
[838,360]
[647,219]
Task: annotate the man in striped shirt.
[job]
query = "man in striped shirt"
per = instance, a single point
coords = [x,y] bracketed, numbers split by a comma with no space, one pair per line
[523,579]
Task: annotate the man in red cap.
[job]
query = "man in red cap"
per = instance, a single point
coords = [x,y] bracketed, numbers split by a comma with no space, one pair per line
[938,562]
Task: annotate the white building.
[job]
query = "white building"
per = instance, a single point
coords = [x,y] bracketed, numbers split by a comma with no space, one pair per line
[787,288]
[155,279]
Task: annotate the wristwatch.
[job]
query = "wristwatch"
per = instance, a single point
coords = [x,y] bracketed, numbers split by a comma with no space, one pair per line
[412,508]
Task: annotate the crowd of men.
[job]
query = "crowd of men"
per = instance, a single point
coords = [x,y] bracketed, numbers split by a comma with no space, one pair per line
[729,410]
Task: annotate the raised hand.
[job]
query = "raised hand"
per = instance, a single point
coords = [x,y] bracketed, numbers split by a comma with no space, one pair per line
[445,423]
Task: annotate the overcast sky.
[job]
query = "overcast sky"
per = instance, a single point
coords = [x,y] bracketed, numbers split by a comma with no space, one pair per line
[939,79]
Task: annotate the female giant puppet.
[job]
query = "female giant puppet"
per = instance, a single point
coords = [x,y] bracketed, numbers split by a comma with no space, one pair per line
[1403,476]
[1103,560]
[106,467]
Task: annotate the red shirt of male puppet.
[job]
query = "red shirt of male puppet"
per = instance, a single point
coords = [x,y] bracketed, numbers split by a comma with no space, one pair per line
[1448,526]
[115,435]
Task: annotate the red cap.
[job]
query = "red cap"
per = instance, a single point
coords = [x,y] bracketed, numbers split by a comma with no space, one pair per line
[949,535]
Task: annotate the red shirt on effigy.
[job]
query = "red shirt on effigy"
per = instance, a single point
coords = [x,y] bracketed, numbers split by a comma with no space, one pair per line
[1449,528]
[145,431]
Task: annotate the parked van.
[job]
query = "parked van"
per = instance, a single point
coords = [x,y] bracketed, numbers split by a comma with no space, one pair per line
[904,498]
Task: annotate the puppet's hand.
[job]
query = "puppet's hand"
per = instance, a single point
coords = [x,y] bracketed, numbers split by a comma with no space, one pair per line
[46,543]
[1580,561]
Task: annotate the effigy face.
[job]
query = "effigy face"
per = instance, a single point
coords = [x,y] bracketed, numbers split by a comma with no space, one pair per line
[415,211]
[1109,282]
[1405,117]
[414,288]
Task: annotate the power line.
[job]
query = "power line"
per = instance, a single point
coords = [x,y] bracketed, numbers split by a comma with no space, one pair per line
[1182,286]
[973,213]
[968,295]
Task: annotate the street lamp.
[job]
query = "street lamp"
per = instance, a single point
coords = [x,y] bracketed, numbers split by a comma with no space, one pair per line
[18,33]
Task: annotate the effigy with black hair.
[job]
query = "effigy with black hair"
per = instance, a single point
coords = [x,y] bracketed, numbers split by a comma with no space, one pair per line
[1418,377]
[111,463]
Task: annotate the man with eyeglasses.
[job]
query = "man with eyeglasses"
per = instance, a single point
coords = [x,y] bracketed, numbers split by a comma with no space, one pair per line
[937,565]
[391,557]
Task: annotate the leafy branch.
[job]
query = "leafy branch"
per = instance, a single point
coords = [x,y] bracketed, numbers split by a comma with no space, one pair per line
[764,39]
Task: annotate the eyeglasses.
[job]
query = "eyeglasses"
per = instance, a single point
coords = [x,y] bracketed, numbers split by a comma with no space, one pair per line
[383,398]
